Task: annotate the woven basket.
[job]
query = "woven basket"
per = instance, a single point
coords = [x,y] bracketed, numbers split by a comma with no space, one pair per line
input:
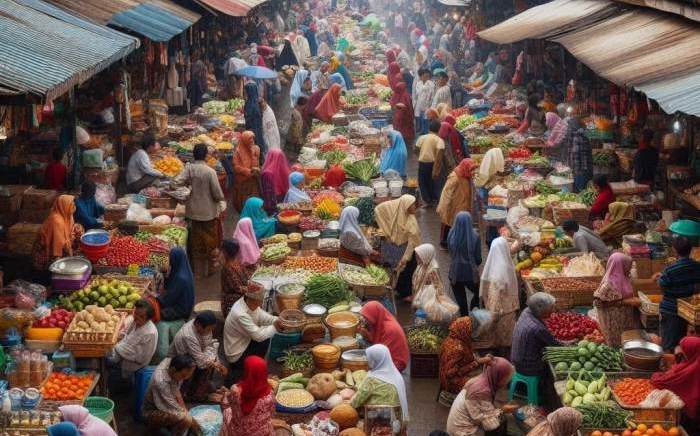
[648,306]
[331,321]
[689,309]
[561,214]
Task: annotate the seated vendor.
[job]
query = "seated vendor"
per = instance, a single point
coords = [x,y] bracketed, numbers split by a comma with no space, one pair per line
[457,360]
[140,173]
[248,329]
[604,197]
[383,385]
[585,239]
[163,406]
[683,378]
[296,193]
[263,224]
[531,336]
[619,222]
[88,212]
[177,300]
[58,233]
[136,349]
[379,326]
[196,339]
[354,246]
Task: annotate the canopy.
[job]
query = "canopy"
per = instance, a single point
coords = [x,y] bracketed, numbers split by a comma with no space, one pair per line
[235,8]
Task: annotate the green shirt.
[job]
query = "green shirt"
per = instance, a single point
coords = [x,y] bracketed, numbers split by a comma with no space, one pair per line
[373,392]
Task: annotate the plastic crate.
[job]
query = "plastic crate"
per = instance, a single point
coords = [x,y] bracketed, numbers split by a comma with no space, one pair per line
[425,365]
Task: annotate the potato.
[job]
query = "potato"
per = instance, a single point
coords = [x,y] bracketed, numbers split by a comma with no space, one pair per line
[321,386]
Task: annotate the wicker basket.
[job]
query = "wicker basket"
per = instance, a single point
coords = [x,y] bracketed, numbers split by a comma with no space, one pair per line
[84,345]
[161,203]
[689,309]
[325,360]
[341,324]
[561,214]
[649,305]
[583,297]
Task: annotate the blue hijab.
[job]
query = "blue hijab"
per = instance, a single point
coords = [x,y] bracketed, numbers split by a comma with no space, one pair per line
[462,239]
[179,288]
[253,115]
[294,194]
[338,78]
[310,36]
[63,429]
[394,157]
[343,71]
[297,89]
[263,225]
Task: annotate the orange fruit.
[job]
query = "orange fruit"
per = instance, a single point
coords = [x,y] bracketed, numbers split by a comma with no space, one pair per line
[596,433]
[673,431]
[642,428]
[636,433]
[607,433]
[650,432]
[627,433]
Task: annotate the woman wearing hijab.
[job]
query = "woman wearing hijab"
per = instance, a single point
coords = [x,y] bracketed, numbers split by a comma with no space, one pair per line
[87,211]
[499,290]
[379,326]
[246,166]
[564,421]
[330,104]
[263,225]
[338,78]
[84,424]
[683,379]
[300,86]
[253,115]
[310,35]
[295,194]
[620,221]
[394,157]
[301,47]
[457,359]
[614,299]
[456,196]
[464,247]
[492,163]
[454,150]
[249,406]
[57,233]
[397,221]
[427,270]
[286,57]
[274,179]
[402,105]
[271,132]
[234,275]
[473,412]
[354,246]
[177,301]
[343,71]
[393,73]
[390,56]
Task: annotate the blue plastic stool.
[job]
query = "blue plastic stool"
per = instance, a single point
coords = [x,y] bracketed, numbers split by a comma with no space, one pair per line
[142,378]
[532,385]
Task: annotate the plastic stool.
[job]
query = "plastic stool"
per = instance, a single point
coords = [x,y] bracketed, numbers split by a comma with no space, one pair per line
[531,383]
[142,378]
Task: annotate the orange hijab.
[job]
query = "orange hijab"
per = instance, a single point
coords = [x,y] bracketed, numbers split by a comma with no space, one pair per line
[247,154]
[57,231]
[330,104]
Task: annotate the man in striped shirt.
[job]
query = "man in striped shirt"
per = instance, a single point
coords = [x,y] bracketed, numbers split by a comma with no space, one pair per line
[681,279]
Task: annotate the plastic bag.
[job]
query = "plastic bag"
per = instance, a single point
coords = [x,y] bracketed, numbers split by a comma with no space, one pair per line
[162,219]
[662,398]
[105,194]
[93,158]
[439,308]
[138,213]
[209,417]
[515,213]
[27,295]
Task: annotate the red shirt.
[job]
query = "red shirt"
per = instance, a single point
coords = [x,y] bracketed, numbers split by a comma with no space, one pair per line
[601,203]
[55,176]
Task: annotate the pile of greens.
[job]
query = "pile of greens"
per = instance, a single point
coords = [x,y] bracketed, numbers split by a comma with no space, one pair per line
[326,290]
[366,207]
[363,170]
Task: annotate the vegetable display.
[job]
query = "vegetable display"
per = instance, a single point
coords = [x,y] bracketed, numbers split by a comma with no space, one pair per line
[464,120]
[363,170]
[632,391]
[101,321]
[297,362]
[170,166]
[603,415]
[319,197]
[585,389]
[519,153]
[274,252]
[587,265]
[587,196]
[101,292]
[425,338]
[175,235]
[316,264]
[311,223]
[58,318]
[326,290]
[587,356]
[327,209]
[366,207]
[371,275]
[569,326]
[64,387]
[334,157]
[124,251]
[354,98]
[379,274]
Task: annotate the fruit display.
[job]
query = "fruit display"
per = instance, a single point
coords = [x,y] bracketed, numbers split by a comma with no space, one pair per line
[568,326]
[586,389]
[102,292]
[58,318]
[294,398]
[586,356]
[169,165]
[275,252]
[67,387]
[632,391]
[316,264]
[425,338]
[124,251]
[604,415]
[94,324]
[175,235]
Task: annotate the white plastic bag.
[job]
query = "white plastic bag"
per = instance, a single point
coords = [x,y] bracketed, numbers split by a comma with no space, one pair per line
[105,194]
[138,213]
[515,213]
[439,308]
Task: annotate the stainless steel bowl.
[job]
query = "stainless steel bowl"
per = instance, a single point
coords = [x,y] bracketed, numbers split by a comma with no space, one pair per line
[642,344]
[641,354]
[75,265]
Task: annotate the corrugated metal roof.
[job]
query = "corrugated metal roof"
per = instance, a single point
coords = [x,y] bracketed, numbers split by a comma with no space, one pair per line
[655,52]
[45,51]
[235,8]
[158,20]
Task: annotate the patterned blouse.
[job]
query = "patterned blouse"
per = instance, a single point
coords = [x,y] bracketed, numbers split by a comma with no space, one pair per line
[234,277]
[257,423]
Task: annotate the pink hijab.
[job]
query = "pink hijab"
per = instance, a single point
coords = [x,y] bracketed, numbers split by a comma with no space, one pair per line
[277,166]
[551,119]
[87,424]
[494,376]
[249,252]
[617,274]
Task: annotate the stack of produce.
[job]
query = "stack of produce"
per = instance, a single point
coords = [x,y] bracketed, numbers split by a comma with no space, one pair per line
[327,209]
[317,264]
[326,290]
[297,362]
[371,275]
[604,415]
[363,170]
[169,165]
[94,324]
[124,251]
[275,252]
[632,391]
[568,326]
[58,318]
[587,356]
[102,292]
[586,389]
[67,387]
[425,338]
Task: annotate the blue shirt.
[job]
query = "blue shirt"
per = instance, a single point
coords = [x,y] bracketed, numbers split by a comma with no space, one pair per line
[87,211]
[681,279]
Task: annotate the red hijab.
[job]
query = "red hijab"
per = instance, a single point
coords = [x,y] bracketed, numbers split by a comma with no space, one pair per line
[403,117]
[449,134]
[465,167]
[254,384]
[276,167]
[494,376]
[390,56]
[683,379]
[392,73]
[384,329]
[330,104]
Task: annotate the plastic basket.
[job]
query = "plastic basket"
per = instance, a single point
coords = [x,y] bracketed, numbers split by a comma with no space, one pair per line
[100,407]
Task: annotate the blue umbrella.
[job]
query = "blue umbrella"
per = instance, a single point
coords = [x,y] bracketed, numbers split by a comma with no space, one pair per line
[256,72]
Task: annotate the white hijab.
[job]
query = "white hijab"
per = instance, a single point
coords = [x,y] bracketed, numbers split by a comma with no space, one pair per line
[428,264]
[382,368]
[493,163]
[499,266]
[349,223]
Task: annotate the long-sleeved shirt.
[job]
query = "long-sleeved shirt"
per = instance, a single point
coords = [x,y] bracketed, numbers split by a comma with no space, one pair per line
[270,130]
[422,96]
[586,240]
[602,201]
[203,349]
[354,243]
[681,279]
[203,202]
[137,347]
[443,95]
[373,391]
[529,339]
[470,417]
[87,211]
[461,271]
[140,165]
[162,392]
[242,326]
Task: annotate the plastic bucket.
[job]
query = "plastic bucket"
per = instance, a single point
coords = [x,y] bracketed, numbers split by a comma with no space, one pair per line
[379,184]
[396,187]
[100,407]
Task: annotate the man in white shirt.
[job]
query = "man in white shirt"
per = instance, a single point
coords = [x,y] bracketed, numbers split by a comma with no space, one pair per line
[422,98]
[136,349]
[140,173]
[442,93]
[248,329]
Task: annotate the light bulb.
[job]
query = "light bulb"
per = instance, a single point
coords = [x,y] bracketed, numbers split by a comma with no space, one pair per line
[676,126]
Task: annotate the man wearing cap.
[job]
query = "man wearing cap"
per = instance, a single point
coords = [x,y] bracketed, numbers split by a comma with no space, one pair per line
[248,329]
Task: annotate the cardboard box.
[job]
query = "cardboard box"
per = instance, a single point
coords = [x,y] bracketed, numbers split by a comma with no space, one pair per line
[34,216]
[38,199]
[21,238]
[13,201]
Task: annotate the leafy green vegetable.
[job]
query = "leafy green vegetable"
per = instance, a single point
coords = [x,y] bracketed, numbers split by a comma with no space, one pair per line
[334,157]
[366,207]
[326,290]
[363,170]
